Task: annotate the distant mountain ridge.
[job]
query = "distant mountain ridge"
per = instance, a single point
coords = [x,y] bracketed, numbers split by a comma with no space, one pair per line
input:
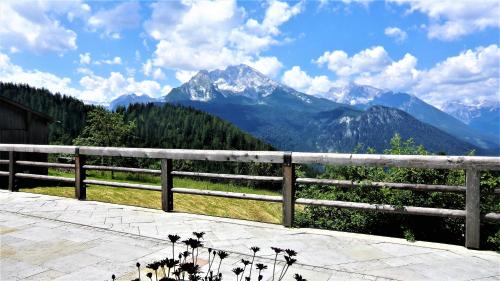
[289,119]
[366,96]
[485,118]
[126,100]
[292,120]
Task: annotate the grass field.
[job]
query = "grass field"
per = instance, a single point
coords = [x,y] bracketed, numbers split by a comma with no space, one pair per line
[213,206]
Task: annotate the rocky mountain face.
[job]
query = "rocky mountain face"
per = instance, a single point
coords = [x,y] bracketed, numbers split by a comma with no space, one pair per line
[484,118]
[377,125]
[353,94]
[242,84]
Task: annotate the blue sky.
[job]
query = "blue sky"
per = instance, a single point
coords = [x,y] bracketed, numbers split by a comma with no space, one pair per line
[440,51]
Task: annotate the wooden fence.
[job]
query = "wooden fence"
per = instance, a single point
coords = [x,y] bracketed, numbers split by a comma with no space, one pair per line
[473,165]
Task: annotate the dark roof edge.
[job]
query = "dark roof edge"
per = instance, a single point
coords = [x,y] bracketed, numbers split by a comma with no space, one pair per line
[23,107]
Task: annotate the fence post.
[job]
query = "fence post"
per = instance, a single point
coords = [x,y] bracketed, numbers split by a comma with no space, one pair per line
[288,190]
[80,187]
[13,183]
[167,196]
[472,209]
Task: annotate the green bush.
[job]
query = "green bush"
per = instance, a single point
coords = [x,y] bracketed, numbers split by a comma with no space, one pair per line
[436,229]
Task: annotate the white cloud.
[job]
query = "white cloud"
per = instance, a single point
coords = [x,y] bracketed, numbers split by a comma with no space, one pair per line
[363,2]
[85,58]
[183,75]
[158,74]
[166,90]
[147,67]
[84,70]
[451,19]
[33,26]
[397,76]
[93,87]
[269,66]
[368,60]
[470,77]
[104,89]
[112,22]
[298,79]
[278,13]
[396,33]
[114,61]
[214,34]
[10,72]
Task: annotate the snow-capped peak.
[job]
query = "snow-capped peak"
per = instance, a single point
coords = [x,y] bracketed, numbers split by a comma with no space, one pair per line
[353,94]
[242,80]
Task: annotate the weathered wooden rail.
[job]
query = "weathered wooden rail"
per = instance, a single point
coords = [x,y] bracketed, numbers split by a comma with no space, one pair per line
[471,164]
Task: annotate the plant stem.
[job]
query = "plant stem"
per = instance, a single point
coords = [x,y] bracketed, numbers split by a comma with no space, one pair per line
[173,251]
[243,273]
[251,265]
[218,269]
[274,266]
[283,273]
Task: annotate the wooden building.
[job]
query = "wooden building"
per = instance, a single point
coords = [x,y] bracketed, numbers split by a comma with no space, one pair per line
[21,125]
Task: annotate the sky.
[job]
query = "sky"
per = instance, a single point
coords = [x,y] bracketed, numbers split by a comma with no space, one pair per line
[440,51]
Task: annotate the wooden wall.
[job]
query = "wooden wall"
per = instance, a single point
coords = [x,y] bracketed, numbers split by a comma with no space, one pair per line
[20,126]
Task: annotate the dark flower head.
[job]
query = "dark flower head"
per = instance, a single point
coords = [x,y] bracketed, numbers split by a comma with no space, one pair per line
[255,249]
[153,266]
[260,266]
[237,270]
[222,254]
[247,278]
[298,277]
[193,243]
[199,235]
[113,277]
[149,275]
[209,250]
[290,260]
[171,263]
[277,250]
[173,238]
[290,252]
[186,254]
[138,264]
[190,268]
[245,262]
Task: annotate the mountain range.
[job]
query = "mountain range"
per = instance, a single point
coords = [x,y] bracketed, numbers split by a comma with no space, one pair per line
[366,96]
[337,121]
[485,118]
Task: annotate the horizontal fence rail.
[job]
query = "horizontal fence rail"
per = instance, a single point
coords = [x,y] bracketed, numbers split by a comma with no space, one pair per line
[473,165]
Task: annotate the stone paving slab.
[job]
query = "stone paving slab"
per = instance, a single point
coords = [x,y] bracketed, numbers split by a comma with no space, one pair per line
[52,238]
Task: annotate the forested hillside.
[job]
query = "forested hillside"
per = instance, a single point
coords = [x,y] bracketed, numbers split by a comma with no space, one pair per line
[166,126]
[175,126]
[69,113]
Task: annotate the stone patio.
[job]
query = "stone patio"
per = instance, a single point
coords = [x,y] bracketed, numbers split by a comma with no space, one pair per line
[52,238]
